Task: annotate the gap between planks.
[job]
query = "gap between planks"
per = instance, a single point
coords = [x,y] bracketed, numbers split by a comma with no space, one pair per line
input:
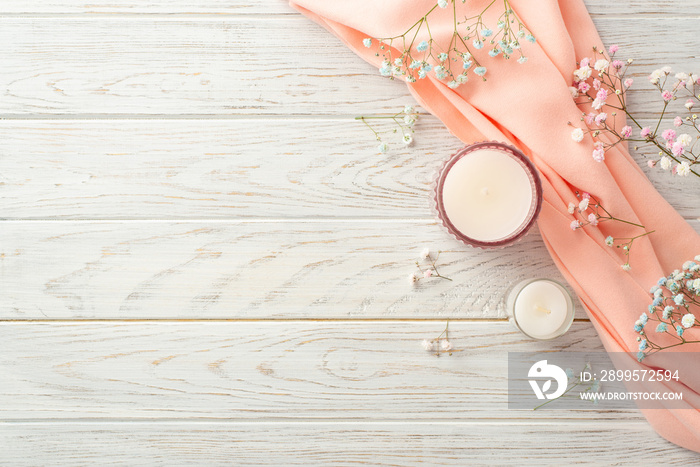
[329,421]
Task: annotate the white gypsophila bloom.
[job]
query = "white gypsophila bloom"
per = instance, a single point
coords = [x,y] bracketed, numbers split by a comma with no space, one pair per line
[427,345]
[667,70]
[665,163]
[683,169]
[655,76]
[572,208]
[446,345]
[583,205]
[412,278]
[682,76]
[598,104]
[685,139]
[462,78]
[688,320]
[442,3]
[601,65]
[626,267]
[409,120]
[425,254]
[407,139]
[577,135]
[583,73]
[408,109]
[573,91]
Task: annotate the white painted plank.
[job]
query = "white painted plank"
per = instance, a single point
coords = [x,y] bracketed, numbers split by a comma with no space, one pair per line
[511,443]
[657,8]
[268,269]
[69,66]
[374,370]
[222,169]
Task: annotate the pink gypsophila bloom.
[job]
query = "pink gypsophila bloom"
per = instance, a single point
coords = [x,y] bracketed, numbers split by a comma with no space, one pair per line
[651,164]
[626,131]
[592,219]
[575,225]
[689,104]
[678,121]
[598,155]
[585,195]
[585,62]
[613,49]
[602,94]
[583,87]
[667,96]
[677,149]
[669,135]
[646,131]
[628,83]
[600,118]
[617,64]
[596,84]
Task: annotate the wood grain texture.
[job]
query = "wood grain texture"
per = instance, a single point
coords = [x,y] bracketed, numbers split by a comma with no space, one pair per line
[266,270]
[95,8]
[146,66]
[223,169]
[340,444]
[374,370]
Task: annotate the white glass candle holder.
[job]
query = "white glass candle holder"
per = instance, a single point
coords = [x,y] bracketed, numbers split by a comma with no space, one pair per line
[541,309]
[488,195]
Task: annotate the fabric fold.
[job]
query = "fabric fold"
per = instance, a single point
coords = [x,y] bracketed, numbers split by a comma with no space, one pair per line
[529,106]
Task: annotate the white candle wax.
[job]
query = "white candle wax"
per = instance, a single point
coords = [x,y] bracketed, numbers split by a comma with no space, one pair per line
[542,309]
[487,195]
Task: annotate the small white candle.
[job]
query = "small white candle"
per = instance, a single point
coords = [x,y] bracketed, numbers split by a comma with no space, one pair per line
[542,309]
[488,194]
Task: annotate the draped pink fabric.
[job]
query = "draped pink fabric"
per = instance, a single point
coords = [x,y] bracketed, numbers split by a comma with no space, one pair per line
[529,106]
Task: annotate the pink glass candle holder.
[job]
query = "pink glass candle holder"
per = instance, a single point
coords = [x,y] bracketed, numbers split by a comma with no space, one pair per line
[488,195]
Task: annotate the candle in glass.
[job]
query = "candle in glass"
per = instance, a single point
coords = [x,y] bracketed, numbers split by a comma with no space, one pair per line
[488,195]
[540,308]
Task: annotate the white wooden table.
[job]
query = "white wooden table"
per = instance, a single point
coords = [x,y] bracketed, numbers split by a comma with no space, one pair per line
[203,260]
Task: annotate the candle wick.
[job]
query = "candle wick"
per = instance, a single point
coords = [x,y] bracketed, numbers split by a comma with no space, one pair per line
[545,310]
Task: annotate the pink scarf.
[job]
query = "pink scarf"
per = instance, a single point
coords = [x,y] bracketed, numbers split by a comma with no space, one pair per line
[529,106]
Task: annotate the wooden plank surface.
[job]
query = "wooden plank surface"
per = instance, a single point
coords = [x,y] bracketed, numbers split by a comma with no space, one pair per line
[266,269]
[639,8]
[362,370]
[186,67]
[223,169]
[339,443]
[250,304]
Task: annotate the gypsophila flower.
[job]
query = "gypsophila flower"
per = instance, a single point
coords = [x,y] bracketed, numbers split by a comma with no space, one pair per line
[683,169]
[383,147]
[425,253]
[688,320]
[577,135]
[572,208]
[420,50]
[626,267]
[609,241]
[575,225]
[440,344]
[413,278]
[670,308]
[609,86]
[481,71]
[367,42]
[592,219]
[583,204]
